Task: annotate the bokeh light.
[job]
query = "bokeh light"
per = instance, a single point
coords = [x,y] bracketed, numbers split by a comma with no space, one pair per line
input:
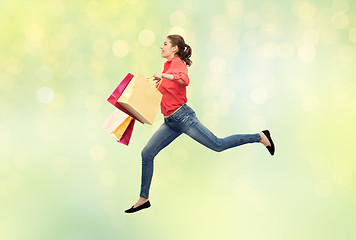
[177,18]
[306,52]
[146,37]
[340,20]
[45,94]
[120,48]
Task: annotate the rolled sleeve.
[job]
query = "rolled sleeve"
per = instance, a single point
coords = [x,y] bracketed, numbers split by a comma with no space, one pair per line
[180,71]
[183,76]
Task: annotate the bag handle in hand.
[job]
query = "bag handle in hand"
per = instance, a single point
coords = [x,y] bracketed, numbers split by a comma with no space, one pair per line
[157,83]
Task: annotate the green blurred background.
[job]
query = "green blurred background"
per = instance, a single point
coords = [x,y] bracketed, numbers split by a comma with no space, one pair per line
[288,66]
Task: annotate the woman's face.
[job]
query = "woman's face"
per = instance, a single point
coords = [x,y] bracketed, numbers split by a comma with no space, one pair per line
[168,51]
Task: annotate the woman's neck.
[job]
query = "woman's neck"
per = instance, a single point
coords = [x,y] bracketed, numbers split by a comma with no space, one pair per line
[170,57]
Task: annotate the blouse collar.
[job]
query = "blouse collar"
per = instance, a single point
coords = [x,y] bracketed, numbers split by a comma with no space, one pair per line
[168,61]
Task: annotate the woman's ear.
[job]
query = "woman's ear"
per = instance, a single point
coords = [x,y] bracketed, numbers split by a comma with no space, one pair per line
[175,49]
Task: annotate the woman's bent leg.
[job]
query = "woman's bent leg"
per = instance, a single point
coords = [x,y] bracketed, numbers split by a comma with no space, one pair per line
[160,139]
[203,135]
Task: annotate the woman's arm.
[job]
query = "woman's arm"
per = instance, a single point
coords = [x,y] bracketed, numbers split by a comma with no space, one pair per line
[167,76]
[178,73]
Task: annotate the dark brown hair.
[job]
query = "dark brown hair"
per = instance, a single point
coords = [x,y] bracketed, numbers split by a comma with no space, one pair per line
[184,50]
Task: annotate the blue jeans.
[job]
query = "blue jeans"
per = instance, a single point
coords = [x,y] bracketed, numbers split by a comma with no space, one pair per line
[184,121]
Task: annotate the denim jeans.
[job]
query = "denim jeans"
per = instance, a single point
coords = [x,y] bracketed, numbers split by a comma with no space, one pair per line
[185,121]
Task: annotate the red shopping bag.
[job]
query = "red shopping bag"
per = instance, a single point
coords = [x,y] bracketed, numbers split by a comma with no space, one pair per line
[127,134]
[118,92]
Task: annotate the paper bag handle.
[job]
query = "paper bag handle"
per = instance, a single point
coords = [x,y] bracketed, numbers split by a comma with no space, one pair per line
[152,79]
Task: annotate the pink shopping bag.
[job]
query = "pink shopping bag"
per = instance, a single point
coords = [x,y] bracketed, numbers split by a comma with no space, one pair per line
[118,92]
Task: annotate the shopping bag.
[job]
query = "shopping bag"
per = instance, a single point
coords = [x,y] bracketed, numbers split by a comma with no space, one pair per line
[125,139]
[141,99]
[120,125]
[117,93]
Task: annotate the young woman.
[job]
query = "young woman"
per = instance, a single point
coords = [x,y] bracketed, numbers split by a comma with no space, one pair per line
[180,118]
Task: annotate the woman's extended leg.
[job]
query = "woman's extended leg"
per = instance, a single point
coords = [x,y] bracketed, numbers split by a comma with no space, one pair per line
[203,135]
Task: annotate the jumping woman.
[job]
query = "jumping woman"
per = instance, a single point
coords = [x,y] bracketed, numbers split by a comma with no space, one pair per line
[180,118]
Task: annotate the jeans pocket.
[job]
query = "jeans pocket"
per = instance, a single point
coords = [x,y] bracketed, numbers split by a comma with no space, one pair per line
[179,116]
[192,119]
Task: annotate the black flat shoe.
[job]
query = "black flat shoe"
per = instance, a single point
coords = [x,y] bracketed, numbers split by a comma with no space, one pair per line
[269,148]
[142,206]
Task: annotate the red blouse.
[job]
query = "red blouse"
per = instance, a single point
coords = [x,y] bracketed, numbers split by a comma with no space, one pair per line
[173,91]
